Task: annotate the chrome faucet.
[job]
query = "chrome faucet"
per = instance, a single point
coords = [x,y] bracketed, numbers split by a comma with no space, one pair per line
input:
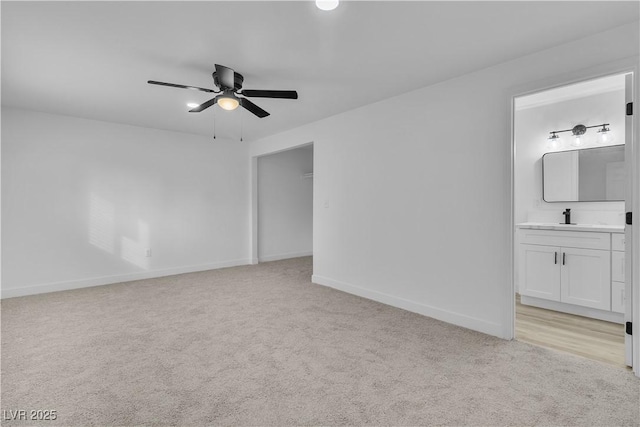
[567,216]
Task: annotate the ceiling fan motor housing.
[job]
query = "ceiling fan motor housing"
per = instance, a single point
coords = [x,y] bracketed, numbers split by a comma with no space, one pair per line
[238,79]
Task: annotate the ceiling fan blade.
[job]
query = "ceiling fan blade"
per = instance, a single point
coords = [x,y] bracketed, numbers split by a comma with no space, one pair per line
[204,105]
[287,94]
[253,108]
[225,76]
[153,82]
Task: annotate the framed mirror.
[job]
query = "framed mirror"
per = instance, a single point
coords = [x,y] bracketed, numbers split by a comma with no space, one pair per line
[587,175]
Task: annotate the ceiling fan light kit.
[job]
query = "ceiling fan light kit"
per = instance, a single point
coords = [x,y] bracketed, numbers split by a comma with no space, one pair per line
[228,101]
[229,84]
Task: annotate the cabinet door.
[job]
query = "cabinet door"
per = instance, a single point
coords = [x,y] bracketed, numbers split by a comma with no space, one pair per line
[539,271]
[586,278]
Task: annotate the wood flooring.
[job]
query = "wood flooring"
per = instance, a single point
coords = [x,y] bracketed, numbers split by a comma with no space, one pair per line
[583,336]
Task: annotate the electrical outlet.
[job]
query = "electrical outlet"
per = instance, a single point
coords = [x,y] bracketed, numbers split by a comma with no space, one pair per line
[148,253]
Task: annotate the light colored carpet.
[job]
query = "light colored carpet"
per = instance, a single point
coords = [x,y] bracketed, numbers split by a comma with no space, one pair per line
[261,345]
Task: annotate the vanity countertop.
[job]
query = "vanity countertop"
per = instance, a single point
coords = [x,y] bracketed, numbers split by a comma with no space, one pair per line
[572,227]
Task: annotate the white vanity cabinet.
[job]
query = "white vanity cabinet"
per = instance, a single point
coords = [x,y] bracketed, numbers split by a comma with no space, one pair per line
[567,266]
[572,271]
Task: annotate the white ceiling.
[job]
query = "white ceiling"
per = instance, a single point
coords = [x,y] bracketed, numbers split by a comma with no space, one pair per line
[92,59]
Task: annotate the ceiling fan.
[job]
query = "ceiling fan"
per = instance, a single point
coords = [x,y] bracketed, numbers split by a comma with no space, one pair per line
[230,84]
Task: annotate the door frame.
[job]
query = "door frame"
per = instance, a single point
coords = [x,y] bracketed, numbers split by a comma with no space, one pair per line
[254,193]
[623,66]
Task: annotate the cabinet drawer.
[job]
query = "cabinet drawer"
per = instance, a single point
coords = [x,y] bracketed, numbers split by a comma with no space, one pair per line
[617,241]
[617,297]
[569,239]
[617,266]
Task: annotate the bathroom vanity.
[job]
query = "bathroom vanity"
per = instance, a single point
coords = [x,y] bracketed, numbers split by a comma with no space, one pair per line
[577,269]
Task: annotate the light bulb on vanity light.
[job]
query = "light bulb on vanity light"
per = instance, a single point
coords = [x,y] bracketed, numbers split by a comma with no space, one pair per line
[604,135]
[577,141]
[553,142]
[578,131]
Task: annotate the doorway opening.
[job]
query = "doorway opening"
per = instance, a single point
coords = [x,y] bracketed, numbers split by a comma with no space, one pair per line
[284,204]
[572,186]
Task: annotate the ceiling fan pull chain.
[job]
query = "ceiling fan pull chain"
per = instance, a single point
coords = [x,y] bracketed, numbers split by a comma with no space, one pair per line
[241,115]
[214,123]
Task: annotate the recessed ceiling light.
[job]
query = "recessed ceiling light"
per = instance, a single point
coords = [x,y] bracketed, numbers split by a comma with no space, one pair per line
[192,104]
[327,4]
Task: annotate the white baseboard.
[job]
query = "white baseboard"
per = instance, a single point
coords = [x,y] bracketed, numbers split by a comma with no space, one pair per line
[119,278]
[480,325]
[608,316]
[285,256]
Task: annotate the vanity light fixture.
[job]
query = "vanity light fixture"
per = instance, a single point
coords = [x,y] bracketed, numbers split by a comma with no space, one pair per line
[578,131]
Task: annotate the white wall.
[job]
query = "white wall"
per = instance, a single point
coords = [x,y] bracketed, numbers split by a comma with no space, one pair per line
[285,204]
[82,200]
[532,127]
[412,195]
